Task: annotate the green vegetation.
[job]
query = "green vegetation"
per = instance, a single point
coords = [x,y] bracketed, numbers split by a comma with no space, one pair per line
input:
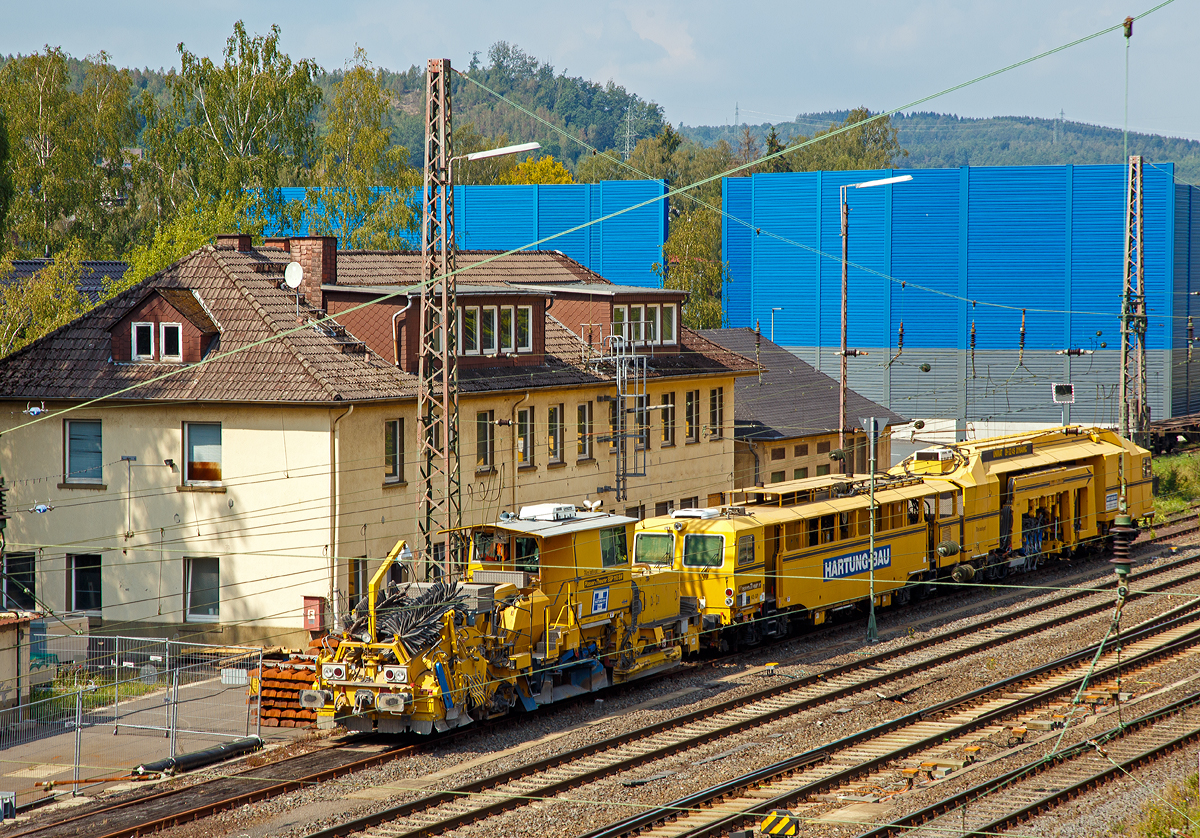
[97,691]
[1178,483]
[1174,813]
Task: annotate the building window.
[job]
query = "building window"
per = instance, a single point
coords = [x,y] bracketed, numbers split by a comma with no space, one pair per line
[614,550]
[664,507]
[525,329]
[202,590]
[170,341]
[84,579]
[614,423]
[202,442]
[506,329]
[651,332]
[583,430]
[468,331]
[691,415]
[823,447]
[668,323]
[668,419]
[143,341]
[19,580]
[689,503]
[554,436]
[777,476]
[393,451]
[643,421]
[485,440]
[778,453]
[716,411]
[620,316]
[636,324]
[822,470]
[357,582]
[801,450]
[638,512]
[800,473]
[85,452]
[487,330]
[525,440]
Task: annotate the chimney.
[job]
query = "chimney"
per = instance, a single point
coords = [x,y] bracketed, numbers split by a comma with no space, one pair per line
[234,241]
[318,255]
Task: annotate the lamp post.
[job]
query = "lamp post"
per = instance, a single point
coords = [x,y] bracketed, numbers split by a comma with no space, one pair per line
[777,308]
[491,152]
[845,273]
[871,426]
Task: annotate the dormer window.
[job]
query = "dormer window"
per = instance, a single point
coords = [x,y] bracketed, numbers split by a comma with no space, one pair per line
[143,342]
[646,323]
[170,342]
[487,330]
[525,328]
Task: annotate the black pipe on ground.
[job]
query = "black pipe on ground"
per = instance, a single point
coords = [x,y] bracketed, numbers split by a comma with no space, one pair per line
[197,759]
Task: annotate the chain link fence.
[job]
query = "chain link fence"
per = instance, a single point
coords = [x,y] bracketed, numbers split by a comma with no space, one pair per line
[158,697]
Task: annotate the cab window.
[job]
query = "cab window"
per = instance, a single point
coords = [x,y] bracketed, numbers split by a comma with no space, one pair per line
[946,505]
[613,548]
[745,550]
[656,548]
[490,547]
[703,550]
[527,554]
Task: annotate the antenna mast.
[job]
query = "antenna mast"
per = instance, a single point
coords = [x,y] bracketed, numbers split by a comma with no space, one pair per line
[440,492]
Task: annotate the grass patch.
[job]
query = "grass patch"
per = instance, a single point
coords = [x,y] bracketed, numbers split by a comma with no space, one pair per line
[1175,812]
[1178,484]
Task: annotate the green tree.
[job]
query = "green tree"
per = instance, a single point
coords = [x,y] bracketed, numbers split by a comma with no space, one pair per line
[241,124]
[774,146]
[69,161]
[195,224]
[6,184]
[39,305]
[606,165]
[692,263]
[491,170]
[543,170]
[867,145]
[364,181]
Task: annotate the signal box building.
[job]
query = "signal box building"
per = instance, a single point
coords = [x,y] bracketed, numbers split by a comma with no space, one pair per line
[204,453]
[994,275]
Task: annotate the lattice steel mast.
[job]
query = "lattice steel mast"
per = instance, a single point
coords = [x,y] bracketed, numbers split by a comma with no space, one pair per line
[440,491]
[1134,407]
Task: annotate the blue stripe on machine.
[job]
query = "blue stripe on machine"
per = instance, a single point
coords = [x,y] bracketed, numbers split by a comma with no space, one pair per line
[851,564]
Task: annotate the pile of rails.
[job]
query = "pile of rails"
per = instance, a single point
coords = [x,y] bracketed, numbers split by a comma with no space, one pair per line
[279,684]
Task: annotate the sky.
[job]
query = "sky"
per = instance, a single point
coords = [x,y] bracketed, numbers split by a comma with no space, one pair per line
[705,61]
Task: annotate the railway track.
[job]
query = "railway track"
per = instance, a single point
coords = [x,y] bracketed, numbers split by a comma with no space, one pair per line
[446,810]
[870,765]
[1037,787]
[159,809]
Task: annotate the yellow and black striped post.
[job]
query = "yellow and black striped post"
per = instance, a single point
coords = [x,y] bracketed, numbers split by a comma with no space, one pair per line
[780,822]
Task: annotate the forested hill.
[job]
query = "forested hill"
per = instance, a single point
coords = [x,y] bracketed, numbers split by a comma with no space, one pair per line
[943,140]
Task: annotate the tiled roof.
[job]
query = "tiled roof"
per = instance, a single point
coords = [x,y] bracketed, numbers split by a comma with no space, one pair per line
[318,364]
[540,267]
[91,280]
[794,398]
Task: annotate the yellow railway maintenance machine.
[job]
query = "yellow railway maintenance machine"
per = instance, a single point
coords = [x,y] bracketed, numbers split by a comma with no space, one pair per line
[799,550]
[552,608]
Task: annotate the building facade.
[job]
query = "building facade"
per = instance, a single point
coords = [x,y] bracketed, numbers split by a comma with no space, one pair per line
[202,453]
[967,287]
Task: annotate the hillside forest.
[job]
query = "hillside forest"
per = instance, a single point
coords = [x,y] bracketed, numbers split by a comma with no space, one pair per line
[99,162]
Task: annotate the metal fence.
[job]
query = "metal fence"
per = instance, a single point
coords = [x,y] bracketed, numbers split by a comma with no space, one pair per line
[157,697]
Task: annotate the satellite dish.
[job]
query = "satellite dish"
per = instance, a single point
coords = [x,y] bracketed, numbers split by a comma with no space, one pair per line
[293,275]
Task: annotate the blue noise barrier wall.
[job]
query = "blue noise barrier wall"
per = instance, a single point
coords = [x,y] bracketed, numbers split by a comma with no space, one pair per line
[621,249]
[982,244]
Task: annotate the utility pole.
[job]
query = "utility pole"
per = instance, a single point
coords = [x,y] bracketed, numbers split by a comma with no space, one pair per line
[1128,36]
[440,491]
[1134,410]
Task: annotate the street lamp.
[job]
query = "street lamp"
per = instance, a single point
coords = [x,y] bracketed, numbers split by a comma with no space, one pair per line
[777,308]
[845,269]
[491,152]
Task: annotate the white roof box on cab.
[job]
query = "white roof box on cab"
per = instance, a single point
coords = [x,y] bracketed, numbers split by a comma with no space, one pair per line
[548,512]
[708,512]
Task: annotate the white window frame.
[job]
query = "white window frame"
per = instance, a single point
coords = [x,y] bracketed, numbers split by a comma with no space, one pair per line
[187,433]
[74,570]
[650,330]
[492,313]
[188,566]
[583,442]
[554,435]
[523,347]
[133,341]
[637,313]
[462,330]
[673,338]
[508,335]
[69,475]
[526,438]
[620,324]
[485,425]
[394,471]
[162,341]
